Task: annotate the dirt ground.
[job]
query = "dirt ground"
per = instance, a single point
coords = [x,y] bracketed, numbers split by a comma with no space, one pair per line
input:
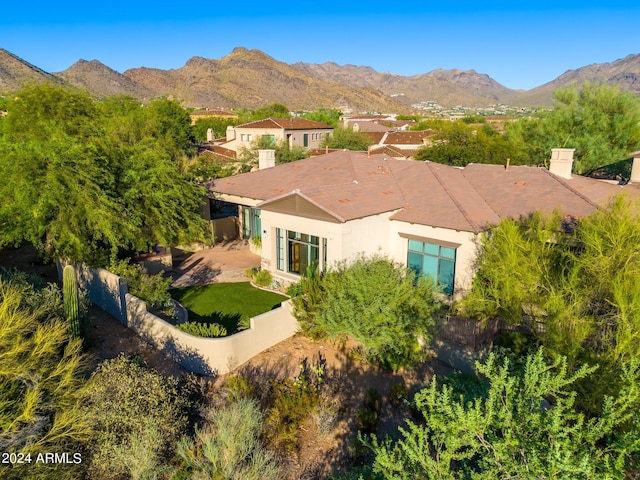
[318,453]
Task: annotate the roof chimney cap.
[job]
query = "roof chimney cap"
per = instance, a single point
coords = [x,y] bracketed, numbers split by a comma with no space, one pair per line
[561,162]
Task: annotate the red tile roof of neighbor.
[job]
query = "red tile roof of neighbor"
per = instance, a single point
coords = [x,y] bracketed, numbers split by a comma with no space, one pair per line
[287,124]
[350,185]
[407,138]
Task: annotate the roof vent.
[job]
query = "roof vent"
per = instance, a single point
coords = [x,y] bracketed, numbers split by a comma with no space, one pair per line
[561,162]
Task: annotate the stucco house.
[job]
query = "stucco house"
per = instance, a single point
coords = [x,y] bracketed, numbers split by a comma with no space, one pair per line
[425,215]
[295,131]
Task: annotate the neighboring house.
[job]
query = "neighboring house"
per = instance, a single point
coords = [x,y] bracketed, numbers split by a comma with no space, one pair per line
[295,131]
[402,145]
[426,215]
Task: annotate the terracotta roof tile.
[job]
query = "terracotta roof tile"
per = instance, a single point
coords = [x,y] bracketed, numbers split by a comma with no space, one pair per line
[351,185]
[287,124]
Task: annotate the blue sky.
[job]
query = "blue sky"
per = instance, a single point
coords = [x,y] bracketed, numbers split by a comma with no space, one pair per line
[520,45]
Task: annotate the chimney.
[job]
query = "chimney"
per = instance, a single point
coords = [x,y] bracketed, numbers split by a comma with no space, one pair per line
[635,168]
[231,133]
[266,159]
[561,162]
[209,134]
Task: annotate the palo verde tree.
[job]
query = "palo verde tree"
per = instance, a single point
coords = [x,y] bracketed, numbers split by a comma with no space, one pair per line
[576,286]
[80,184]
[41,383]
[601,122]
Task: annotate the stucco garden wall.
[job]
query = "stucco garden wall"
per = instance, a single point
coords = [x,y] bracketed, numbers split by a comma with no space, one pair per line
[205,356]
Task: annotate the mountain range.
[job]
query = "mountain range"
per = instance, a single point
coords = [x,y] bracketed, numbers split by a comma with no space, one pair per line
[251,79]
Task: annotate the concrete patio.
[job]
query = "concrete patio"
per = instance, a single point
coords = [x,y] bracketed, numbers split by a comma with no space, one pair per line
[225,262]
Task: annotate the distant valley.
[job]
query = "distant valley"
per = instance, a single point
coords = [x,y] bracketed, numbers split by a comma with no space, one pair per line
[251,79]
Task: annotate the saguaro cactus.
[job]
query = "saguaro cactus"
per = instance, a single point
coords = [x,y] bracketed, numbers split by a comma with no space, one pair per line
[71,300]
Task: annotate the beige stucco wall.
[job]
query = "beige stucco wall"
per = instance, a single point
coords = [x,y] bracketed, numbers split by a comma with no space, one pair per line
[465,253]
[209,356]
[296,137]
[370,235]
[199,355]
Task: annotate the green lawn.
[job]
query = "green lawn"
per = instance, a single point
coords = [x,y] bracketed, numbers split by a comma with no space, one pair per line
[226,303]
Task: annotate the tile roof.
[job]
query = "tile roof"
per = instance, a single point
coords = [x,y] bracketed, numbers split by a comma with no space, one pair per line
[368,127]
[287,124]
[407,138]
[350,185]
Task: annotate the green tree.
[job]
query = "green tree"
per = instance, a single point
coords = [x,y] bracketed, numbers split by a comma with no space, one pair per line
[347,138]
[284,153]
[324,115]
[600,121]
[460,143]
[577,291]
[378,303]
[523,424]
[83,181]
[41,382]
[219,126]
[275,110]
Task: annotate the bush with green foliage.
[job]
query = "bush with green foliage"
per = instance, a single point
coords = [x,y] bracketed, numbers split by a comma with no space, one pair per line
[367,420]
[398,395]
[375,301]
[238,387]
[291,402]
[206,330]
[347,139]
[524,424]
[229,446]
[137,414]
[153,289]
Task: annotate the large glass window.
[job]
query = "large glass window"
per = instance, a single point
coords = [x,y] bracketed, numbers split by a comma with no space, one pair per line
[437,261]
[298,251]
[303,250]
[251,222]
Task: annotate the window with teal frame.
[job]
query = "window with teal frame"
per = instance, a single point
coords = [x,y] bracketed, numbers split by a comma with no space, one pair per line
[436,261]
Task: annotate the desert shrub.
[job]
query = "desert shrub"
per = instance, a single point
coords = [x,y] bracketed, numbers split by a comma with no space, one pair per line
[137,414]
[41,384]
[325,418]
[263,278]
[153,289]
[256,241]
[206,330]
[520,343]
[367,420]
[373,400]
[375,301]
[290,404]
[398,394]
[229,447]
[238,387]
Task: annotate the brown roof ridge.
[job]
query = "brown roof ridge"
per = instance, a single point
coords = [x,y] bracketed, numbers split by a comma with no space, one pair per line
[479,194]
[474,225]
[565,184]
[256,121]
